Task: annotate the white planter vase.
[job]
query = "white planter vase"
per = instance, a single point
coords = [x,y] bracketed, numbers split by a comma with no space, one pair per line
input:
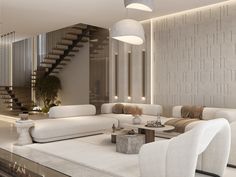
[137,120]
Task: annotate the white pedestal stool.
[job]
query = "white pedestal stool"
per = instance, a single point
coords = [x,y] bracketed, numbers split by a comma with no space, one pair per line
[23,127]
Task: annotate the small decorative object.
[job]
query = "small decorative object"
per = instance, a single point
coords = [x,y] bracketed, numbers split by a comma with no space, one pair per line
[154,124]
[37,109]
[24,116]
[136,113]
[113,128]
[131,132]
[158,122]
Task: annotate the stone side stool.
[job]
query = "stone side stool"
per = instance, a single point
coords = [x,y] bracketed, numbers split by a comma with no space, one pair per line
[23,127]
[129,144]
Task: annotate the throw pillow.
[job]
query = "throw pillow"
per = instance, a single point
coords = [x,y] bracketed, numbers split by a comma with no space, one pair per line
[192,112]
[118,109]
[128,109]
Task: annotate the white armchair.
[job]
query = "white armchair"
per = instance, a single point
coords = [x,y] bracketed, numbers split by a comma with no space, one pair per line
[206,147]
[214,113]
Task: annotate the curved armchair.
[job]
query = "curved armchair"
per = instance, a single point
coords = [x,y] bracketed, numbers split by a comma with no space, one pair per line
[206,147]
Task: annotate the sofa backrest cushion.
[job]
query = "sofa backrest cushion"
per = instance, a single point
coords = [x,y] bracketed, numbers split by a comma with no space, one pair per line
[72,111]
[148,109]
[210,113]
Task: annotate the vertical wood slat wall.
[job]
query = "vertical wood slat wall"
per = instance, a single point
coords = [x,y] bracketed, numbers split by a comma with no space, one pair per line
[131,82]
[6,41]
[22,63]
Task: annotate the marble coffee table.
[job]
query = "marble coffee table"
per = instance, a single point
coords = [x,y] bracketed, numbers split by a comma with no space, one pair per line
[149,132]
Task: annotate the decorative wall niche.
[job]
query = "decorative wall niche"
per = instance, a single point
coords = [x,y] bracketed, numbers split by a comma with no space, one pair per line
[129,75]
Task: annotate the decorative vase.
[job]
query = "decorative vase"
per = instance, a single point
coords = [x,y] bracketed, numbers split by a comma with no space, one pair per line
[24,116]
[137,120]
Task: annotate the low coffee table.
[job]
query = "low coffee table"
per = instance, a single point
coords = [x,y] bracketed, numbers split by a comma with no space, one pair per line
[149,132]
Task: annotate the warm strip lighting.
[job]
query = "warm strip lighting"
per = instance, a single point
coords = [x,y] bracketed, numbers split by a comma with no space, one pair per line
[192,10]
[145,5]
[151,67]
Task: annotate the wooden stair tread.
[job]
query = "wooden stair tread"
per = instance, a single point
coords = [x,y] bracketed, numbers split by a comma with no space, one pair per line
[63,64]
[61,47]
[58,67]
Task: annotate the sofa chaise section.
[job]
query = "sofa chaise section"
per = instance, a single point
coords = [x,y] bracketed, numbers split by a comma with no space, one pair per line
[70,122]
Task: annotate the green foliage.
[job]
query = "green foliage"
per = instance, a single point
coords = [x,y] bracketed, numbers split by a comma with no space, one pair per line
[47,90]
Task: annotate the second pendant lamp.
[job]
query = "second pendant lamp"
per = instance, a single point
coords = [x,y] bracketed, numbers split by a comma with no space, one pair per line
[128,30]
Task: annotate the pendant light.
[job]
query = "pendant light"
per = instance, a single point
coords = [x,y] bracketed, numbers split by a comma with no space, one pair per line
[128,31]
[145,5]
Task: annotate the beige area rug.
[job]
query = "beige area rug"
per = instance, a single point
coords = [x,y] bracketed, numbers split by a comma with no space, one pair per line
[96,152]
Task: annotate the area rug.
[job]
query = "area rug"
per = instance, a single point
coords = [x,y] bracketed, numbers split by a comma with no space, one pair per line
[96,152]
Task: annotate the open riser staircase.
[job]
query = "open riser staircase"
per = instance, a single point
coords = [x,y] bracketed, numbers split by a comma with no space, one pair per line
[16,99]
[63,52]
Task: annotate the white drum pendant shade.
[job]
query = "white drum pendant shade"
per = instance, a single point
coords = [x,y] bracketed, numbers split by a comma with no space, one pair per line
[146,5]
[129,31]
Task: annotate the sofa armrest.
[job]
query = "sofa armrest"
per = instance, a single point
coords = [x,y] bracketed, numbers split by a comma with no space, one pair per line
[152,158]
[229,115]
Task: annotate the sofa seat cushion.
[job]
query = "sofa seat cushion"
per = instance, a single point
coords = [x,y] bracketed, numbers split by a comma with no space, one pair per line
[64,128]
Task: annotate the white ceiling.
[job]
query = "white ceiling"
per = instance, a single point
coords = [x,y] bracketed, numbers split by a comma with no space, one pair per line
[30,17]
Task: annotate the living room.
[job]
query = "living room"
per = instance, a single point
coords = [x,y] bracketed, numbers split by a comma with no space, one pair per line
[118,88]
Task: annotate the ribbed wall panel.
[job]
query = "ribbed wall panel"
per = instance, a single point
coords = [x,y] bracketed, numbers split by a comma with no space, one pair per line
[195,58]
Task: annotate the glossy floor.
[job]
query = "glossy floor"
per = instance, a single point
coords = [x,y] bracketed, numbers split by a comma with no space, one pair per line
[46,165]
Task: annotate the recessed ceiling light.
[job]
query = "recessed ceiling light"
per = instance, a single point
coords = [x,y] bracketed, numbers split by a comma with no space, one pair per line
[129,31]
[145,5]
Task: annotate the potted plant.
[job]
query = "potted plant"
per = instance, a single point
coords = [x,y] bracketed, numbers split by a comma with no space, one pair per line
[47,89]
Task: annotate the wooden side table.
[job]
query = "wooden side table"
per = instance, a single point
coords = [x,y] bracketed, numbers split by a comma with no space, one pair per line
[149,132]
[114,135]
[23,127]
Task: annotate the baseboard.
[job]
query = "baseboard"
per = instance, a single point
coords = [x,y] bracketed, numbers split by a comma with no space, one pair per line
[207,173]
[231,166]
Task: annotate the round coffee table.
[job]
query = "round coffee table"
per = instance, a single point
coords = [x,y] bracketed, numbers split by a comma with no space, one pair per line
[149,132]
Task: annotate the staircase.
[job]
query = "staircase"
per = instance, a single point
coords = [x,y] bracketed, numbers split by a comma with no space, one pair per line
[15,103]
[63,52]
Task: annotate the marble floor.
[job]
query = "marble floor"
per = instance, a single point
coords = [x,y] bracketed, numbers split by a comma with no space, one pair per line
[42,163]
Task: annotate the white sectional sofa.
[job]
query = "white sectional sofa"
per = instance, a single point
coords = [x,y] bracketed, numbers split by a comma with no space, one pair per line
[70,122]
[213,113]
[81,120]
[150,112]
